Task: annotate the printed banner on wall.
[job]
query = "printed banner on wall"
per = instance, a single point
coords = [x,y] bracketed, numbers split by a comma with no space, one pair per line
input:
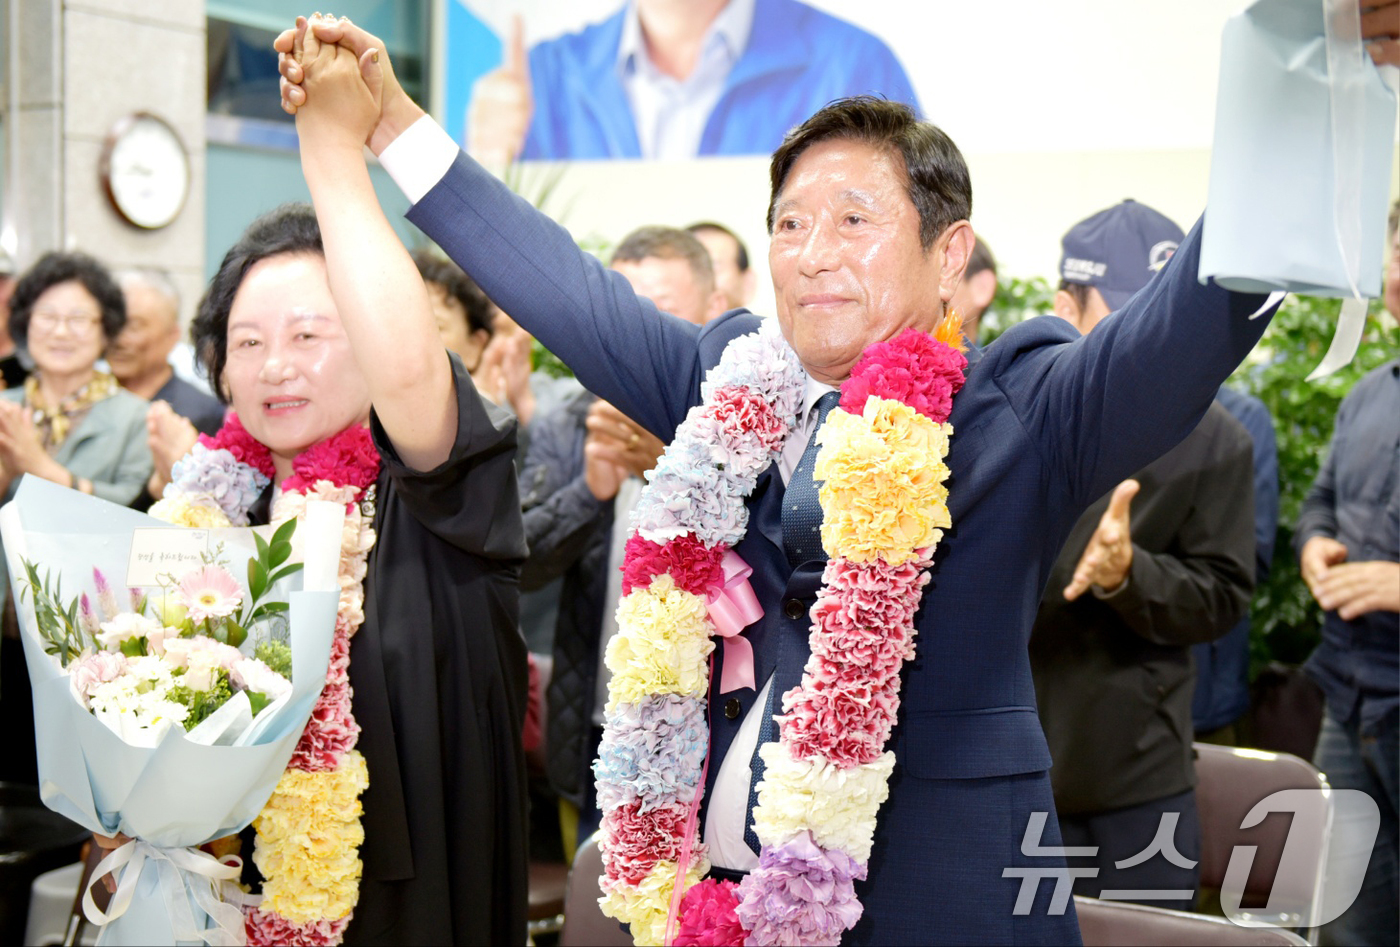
[635,79]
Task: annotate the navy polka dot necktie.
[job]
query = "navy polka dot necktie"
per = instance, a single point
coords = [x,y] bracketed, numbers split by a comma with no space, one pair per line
[802,512]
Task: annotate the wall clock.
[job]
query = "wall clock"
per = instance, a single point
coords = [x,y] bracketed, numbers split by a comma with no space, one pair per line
[145,170]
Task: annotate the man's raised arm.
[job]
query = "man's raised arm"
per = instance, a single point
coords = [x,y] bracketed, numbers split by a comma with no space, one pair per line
[617,344]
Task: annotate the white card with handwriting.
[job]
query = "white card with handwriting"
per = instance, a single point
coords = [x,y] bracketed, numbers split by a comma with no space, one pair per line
[157,554]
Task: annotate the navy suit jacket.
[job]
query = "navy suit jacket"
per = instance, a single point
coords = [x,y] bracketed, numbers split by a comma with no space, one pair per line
[1047,423]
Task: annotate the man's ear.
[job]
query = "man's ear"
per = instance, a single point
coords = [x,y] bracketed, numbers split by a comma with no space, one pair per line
[956,244]
[1068,309]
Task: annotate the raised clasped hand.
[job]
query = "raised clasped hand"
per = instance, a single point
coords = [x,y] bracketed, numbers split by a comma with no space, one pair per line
[343,90]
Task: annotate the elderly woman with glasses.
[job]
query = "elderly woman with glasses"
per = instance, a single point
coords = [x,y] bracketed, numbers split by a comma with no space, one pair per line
[70,423]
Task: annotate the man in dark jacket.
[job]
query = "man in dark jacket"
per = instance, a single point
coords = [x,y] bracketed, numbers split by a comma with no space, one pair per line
[1165,561]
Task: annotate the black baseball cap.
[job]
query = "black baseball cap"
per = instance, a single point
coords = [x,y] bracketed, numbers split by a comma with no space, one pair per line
[1118,250]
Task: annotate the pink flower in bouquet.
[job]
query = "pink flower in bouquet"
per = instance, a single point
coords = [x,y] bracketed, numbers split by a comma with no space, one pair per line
[210,592]
[85,674]
[709,916]
[106,598]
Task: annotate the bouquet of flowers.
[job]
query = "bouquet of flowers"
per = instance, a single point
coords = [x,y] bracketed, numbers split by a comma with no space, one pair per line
[143,669]
[167,711]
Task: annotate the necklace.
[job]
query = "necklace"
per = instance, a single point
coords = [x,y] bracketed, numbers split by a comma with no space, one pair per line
[309,833]
[884,508]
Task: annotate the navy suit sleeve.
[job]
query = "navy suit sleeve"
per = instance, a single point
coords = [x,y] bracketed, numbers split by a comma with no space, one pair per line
[1102,406]
[620,346]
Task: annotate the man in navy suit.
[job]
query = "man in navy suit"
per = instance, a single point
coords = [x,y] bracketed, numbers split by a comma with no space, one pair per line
[869,228]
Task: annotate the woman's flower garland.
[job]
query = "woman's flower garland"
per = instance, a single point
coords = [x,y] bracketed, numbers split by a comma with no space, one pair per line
[309,833]
[884,507]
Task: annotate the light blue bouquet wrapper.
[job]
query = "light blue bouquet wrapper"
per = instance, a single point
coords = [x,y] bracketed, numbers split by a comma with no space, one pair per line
[179,794]
[1302,160]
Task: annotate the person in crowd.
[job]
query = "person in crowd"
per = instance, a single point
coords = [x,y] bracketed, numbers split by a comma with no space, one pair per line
[668,80]
[464,314]
[730,259]
[12,371]
[1221,696]
[140,354]
[581,480]
[1348,546]
[1163,561]
[68,423]
[1050,421]
[974,294]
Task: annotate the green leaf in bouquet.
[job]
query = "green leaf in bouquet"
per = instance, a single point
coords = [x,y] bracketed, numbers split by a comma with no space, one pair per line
[285,571]
[57,625]
[277,655]
[284,532]
[234,633]
[134,647]
[278,554]
[141,603]
[266,610]
[257,701]
[202,703]
[257,579]
[262,546]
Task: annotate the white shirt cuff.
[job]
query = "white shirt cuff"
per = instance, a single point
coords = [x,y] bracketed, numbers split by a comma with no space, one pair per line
[419,158]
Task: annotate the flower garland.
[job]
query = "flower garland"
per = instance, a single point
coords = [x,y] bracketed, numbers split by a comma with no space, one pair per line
[884,508]
[309,833]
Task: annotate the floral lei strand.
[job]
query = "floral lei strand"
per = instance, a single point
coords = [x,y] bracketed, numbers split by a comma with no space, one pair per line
[884,507]
[309,833]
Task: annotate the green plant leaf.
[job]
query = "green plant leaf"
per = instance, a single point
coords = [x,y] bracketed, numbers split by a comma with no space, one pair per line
[284,532]
[257,579]
[280,552]
[282,573]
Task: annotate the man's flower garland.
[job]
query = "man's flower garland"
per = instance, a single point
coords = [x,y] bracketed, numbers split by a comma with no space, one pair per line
[884,508]
[309,833]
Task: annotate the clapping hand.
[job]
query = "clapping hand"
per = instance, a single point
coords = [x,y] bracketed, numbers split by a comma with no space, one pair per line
[503,375]
[170,438]
[21,451]
[616,448]
[1351,589]
[1108,557]
[1380,28]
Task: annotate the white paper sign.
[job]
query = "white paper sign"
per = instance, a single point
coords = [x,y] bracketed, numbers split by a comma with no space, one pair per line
[158,553]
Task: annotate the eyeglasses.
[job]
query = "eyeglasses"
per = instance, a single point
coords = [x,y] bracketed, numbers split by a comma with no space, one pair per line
[78,323]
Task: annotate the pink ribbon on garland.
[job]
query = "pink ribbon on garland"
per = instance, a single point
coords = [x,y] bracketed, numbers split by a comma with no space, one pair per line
[733,606]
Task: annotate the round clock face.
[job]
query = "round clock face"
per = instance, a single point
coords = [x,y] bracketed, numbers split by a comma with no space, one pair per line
[145,171]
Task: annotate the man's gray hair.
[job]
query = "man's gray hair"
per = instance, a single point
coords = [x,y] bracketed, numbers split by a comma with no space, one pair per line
[153,277]
[668,243]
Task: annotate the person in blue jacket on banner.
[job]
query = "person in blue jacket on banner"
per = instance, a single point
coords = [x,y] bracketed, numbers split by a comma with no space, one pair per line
[676,80]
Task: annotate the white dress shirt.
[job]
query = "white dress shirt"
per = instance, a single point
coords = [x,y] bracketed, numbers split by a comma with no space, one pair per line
[670,114]
[417,160]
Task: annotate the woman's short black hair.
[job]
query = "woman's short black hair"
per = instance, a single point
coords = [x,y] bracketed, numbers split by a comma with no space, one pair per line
[291,228]
[437,270]
[935,173]
[71,266]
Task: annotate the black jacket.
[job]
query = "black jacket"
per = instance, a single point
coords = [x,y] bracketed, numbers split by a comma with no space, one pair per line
[1113,675]
[567,529]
